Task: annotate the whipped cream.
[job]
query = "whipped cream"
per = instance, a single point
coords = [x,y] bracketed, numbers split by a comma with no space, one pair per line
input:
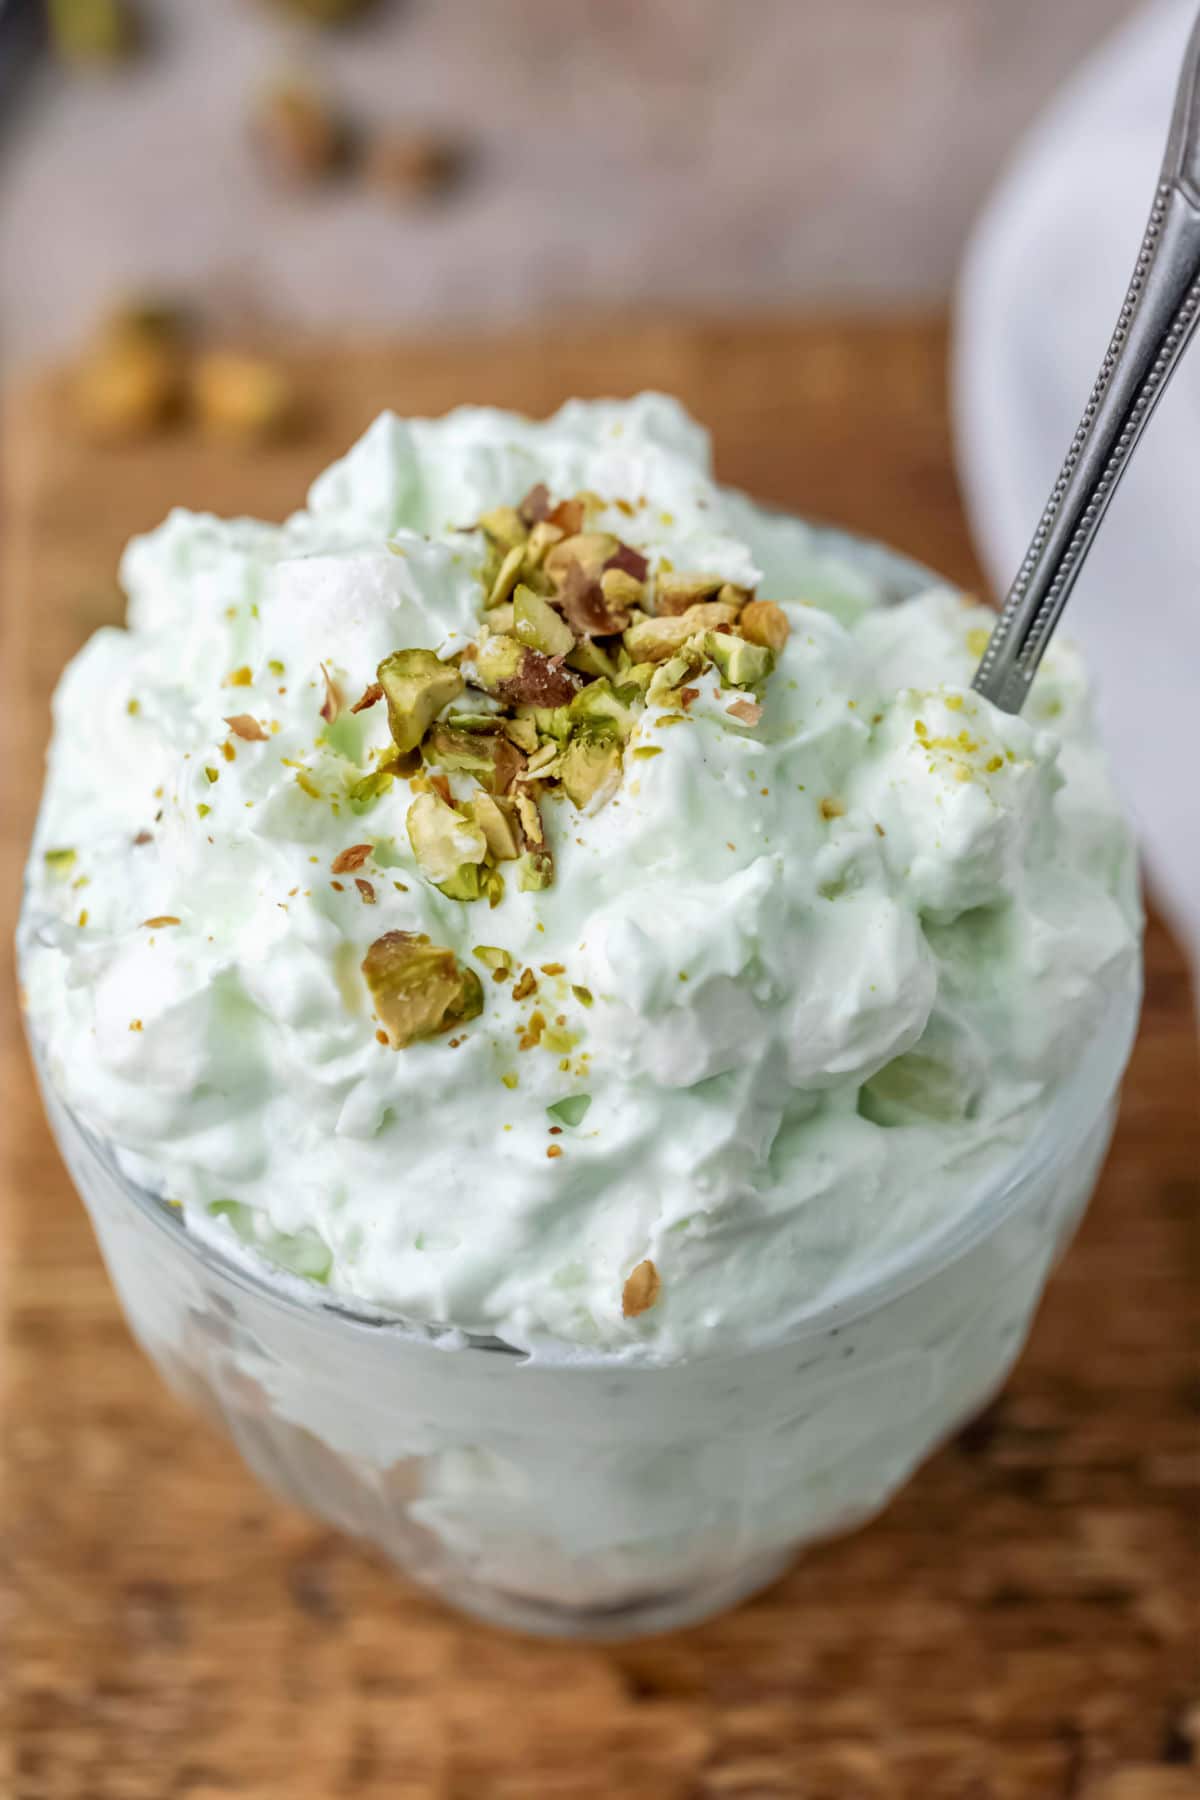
[806,979]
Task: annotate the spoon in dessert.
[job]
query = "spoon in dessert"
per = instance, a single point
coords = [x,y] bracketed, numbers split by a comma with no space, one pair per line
[1154,327]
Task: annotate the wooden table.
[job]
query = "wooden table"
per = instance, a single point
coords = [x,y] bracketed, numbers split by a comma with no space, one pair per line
[1021,1623]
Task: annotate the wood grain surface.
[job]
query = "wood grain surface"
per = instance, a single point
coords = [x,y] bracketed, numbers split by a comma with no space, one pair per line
[1022,1622]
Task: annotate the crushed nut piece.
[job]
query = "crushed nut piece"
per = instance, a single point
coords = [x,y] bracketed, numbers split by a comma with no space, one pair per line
[347,860]
[247,727]
[419,989]
[641,1290]
[748,711]
[369,697]
[765,623]
[536,505]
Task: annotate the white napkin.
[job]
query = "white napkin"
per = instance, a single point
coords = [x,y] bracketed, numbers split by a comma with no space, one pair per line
[1042,285]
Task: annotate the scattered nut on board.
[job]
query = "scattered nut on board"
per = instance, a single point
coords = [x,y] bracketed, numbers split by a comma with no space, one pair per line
[93,31]
[130,381]
[298,133]
[413,165]
[242,397]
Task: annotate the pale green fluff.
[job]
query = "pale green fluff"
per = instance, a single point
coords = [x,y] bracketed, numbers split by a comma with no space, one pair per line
[821,973]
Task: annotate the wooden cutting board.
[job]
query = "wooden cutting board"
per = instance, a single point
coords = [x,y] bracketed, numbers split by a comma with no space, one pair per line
[1020,1623]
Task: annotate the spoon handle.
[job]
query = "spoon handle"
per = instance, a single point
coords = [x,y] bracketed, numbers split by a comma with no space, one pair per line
[1156,322]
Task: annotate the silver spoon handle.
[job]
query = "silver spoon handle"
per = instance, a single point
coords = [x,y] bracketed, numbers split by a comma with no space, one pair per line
[1156,322]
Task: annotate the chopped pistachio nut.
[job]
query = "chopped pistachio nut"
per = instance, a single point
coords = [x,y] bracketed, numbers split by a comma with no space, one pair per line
[489,755]
[505,527]
[419,989]
[654,640]
[497,826]
[535,871]
[590,550]
[537,625]
[590,768]
[507,576]
[566,661]
[765,623]
[675,594]
[59,863]
[741,664]
[417,685]
[442,839]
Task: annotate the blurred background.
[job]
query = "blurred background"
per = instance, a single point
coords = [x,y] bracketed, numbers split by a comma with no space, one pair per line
[482,161]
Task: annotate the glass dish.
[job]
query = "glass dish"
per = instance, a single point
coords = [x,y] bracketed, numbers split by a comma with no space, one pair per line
[588,1496]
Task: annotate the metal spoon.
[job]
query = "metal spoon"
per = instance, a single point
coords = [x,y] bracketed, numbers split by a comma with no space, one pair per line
[1156,322]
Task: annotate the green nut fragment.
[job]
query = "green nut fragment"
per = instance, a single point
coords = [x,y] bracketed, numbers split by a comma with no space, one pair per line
[551,722]
[466,884]
[600,704]
[505,527]
[442,839]
[669,675]
[498,827]
[654,640]
[741,664]
[59,863]
[590,767]
[489,755]
[417,685]
[538,625]
[591,658]
[497,661]
[523,732]
[499,961]
[521,675]
[590,549]
[419,989]
[507,576]
[366,792]
[535,871]
[675,594]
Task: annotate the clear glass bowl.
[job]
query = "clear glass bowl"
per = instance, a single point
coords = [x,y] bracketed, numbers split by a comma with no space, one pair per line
[592,1497]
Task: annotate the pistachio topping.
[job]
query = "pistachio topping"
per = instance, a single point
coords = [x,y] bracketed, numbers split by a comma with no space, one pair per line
[765,623]
[417,685]
[443,839]
[577,636]
[369,697]
[641,1290]
[247,727]
[419,989]
[347,860]
[59,863]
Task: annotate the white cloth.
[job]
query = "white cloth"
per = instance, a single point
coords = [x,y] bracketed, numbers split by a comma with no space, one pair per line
[1042,285]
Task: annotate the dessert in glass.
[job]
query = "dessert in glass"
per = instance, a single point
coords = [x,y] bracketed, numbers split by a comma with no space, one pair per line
[580,1035]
